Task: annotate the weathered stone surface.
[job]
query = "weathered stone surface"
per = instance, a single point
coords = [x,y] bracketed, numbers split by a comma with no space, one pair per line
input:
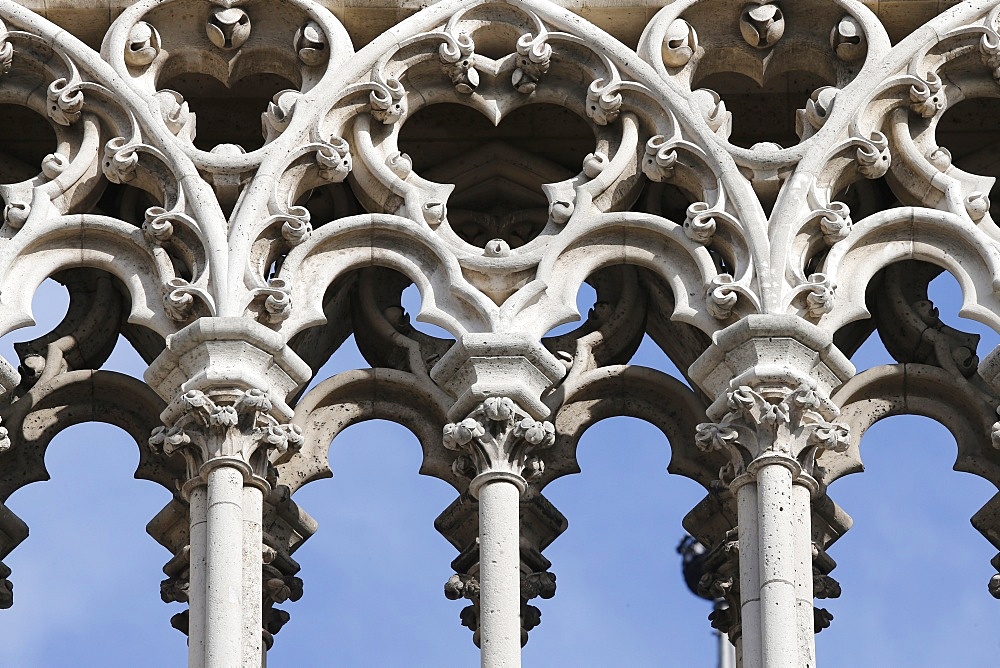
[237,187]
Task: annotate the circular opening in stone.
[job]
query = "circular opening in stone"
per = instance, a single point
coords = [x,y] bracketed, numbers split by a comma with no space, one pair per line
[25,139]
[228,114]
[498,172]
[763,113]
[970,132]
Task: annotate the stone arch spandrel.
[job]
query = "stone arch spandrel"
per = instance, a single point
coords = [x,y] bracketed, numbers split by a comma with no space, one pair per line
[918,389]
[357,396]
[938,237]
[83,396]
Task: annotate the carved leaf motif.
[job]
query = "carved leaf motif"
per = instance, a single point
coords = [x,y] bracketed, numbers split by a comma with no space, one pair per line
[834,222]
[722,296]
[334,160]
[679,43]
[658,164]
[699,224]
[457,57]
[65,100]
[924,96]
[762,25]
[388,105]
[714,436]
[873,156]
[120,160]
[311,44]
[848,39]
[604,102]
[534,57]
[834,437]
[143,45]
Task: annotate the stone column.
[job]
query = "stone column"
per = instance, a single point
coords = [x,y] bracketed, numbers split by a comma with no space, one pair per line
[773,421]
[228,419]
[227,441]
[498,441]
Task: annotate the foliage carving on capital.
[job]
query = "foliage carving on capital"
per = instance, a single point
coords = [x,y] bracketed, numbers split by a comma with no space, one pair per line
[795,424]
[235,425]
[499,437]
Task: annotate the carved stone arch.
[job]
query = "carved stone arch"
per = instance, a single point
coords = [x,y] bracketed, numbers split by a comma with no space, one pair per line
[962,406]
[391,241]
[83,396]
[958,246]
[667,404]
[70,398]
[98,242]
[638,392]
[355,396]
[917,389]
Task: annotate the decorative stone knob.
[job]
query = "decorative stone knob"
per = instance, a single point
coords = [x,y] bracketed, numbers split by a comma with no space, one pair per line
[228,28]
[762,25]
[143,45]
[679,43]
[848,39]
[310,44]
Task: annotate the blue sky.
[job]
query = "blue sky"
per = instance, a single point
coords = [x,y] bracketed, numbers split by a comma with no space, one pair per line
[913,569]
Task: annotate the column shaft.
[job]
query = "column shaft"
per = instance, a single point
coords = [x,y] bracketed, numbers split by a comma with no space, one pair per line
[253,605]
[750,655]
[198,505]
[499,574]
[224,581]
[802,521]
[776,563]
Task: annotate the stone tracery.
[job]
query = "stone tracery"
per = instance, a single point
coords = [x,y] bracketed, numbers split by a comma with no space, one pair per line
[237,270]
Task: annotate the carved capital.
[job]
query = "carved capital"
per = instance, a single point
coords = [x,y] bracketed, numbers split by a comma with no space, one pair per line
[498,437]
[235,425]
[773,421]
